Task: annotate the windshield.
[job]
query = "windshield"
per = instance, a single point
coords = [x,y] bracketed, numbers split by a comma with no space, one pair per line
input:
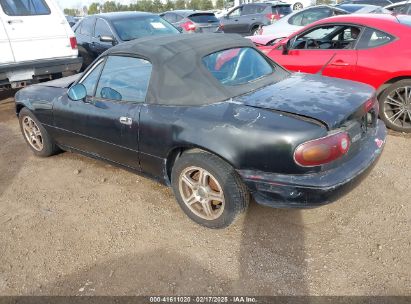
[237,66]
[141,26]
[203,18]
[403,19]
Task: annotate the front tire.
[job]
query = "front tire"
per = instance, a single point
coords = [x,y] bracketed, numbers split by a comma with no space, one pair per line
[395,106]
[36,135]
[208,189]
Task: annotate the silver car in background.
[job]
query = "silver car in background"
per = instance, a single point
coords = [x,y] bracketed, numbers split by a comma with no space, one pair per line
[193,21]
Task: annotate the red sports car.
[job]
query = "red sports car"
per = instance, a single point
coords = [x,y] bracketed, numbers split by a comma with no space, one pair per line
[373,49]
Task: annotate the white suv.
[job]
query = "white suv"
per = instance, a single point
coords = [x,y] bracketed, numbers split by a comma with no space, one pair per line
[36,42]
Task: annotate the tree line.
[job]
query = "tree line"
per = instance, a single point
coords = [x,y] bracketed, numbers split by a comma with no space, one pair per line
[154,6]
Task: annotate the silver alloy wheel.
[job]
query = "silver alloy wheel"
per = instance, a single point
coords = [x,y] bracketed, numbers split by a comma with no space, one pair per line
[32,133]
[297,6]
[201,192]
[397,107]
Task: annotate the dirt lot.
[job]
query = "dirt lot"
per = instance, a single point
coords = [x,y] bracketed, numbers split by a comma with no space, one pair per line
[75,226]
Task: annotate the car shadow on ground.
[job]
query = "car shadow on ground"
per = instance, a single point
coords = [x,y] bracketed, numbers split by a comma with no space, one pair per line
[11,160]
[270,261]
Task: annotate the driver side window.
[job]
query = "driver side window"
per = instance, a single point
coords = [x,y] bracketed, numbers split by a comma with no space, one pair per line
[124,79]
[329,37]
[235,13]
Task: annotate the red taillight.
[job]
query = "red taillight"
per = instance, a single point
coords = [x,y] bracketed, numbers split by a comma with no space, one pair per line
[323,150]
[273,17]
[73,43]
[189,26]
[370,104]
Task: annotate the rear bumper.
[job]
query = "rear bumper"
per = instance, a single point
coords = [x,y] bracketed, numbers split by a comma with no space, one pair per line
[316,189]
[15,71]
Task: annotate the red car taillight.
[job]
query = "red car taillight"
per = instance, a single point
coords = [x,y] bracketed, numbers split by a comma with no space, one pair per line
[73,43]
[189,26]
[273,17]
[323,150]
[370,104]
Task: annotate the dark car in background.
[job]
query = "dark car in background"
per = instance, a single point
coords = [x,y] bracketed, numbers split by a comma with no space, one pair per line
[246,19]
[193,21]
[72,20]
[96,34]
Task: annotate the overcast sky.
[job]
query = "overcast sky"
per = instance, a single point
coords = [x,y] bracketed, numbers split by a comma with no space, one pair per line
[79,3]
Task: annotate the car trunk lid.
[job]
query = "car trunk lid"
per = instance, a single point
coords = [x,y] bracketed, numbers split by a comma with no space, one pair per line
[329,100]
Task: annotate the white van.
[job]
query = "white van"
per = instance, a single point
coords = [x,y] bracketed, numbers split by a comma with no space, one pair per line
[36,43]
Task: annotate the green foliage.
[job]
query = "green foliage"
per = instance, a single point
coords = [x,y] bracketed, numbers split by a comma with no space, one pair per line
[71,12]
[109,6]
[154,6]
[169,5]
[219,4]
[180,4]
[157,6]
[93,8]
[206,5]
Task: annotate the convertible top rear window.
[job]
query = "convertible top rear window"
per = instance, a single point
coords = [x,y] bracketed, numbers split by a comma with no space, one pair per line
[237,66]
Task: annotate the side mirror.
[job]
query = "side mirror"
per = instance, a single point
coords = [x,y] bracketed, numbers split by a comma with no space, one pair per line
[109,39]
[77,92]
[226,17]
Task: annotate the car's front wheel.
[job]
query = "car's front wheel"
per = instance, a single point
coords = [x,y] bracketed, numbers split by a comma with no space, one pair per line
[208,189]
[395,106]
[35,135]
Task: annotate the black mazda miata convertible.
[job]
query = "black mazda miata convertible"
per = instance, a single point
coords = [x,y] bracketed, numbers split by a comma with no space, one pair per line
[214,118]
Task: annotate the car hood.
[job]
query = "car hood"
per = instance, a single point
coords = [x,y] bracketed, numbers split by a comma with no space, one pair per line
[64,82]
[329,100]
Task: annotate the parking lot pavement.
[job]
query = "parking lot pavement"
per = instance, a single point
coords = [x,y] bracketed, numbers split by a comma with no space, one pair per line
[70,225]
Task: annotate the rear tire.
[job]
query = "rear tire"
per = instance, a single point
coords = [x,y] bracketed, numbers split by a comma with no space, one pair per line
[36,135]
[208,189]
[395,106]
[255,31]
[298,6]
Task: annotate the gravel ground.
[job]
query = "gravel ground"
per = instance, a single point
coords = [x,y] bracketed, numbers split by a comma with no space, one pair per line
[70,225]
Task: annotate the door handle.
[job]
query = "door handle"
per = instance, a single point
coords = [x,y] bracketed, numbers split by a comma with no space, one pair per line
[340,63]
[252,18]
[15,21]
[126,121]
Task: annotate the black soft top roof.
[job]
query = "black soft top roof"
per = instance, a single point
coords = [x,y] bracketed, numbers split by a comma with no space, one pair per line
[179,76]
